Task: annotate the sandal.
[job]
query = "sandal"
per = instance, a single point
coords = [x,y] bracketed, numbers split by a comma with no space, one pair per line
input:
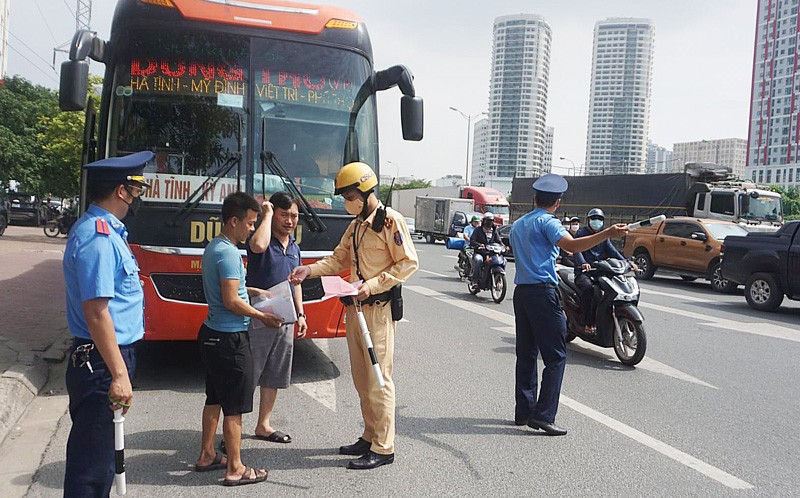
[276,437]
[247,480]
[216,464]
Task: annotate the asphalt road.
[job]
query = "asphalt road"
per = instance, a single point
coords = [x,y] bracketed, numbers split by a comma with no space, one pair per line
[711,411]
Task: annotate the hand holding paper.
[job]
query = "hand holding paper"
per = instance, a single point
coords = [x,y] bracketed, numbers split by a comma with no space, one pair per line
[280,303]
[336,286]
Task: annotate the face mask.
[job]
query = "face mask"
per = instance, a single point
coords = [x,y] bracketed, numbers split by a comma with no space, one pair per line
[574,228]
[354,207]
[134,206]
[596,224]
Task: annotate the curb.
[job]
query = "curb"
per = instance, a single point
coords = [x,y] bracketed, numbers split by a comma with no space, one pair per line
[20,384]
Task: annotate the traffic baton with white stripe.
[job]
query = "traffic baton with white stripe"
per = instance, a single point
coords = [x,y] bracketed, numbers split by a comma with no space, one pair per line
[362,322]
[647,223]
[119,452]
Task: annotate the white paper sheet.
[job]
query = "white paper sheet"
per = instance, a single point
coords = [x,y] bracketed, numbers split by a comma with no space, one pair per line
[279,303]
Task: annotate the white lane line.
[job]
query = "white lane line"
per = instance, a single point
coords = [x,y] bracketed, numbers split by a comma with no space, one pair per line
[679,456]
[661,447]
[434,273]
[684,297]
[756,328]
[449,256]
[647,363]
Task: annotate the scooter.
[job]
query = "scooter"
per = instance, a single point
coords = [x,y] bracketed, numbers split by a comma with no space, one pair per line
[493,273]
[617,316]
[60,225]
[464,265]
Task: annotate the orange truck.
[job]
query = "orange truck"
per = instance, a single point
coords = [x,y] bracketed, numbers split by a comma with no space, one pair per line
[689,247]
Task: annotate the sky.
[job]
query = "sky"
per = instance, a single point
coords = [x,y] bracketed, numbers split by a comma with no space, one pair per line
[701,73]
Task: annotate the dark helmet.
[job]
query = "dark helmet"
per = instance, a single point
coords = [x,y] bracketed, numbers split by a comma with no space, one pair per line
[596,213]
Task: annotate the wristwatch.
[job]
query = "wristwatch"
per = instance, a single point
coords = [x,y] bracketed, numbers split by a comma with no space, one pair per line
[301,315]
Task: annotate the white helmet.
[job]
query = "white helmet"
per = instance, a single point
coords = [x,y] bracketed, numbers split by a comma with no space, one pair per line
[488,214]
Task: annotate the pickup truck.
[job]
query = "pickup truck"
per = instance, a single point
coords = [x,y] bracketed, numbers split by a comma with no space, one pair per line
[689,247]
[768,264]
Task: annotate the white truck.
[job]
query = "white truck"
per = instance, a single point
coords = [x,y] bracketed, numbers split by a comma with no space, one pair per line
[437,218]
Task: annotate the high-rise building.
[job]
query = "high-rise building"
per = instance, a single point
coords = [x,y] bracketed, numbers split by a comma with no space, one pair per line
[547,163]
[730,152]
[659,159]
[773,141]
[518,99]
[480,151]
[619,98]
[5,14]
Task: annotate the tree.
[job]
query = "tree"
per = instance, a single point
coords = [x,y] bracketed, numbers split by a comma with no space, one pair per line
[791,202]
[384,189]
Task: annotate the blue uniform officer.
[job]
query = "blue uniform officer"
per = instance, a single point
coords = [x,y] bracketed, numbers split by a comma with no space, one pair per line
[105,314]
[540,325]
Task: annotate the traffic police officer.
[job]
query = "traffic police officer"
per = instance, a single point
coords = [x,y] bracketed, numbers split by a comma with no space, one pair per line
[375,248]
[105,314]
[540,324]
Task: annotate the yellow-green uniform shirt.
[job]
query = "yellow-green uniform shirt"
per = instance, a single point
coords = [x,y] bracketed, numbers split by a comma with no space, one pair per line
[385,259]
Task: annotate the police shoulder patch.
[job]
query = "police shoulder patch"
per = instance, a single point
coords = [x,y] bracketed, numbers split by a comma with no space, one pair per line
[398,238]
[101,226]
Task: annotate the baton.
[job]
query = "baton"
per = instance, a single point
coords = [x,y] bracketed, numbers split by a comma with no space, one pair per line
[119,452]
[647,223]
[362,322]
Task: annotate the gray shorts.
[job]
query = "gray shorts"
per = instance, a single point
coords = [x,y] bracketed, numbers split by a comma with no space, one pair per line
[272,355]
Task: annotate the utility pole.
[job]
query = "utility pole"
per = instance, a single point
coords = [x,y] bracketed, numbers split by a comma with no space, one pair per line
[83,20]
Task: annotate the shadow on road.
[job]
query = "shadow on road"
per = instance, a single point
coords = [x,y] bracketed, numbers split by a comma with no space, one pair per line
[577,355]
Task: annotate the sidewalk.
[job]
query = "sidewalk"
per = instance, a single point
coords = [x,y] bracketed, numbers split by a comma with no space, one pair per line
[33,329]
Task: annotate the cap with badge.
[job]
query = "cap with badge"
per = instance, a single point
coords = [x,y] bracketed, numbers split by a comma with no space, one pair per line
[128,168]
[551,184]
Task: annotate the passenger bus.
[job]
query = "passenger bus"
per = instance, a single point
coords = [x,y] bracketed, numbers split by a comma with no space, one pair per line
[231,95]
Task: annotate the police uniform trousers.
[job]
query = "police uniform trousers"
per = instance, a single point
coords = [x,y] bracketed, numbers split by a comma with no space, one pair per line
[377,405]
[541,329]
[90,447]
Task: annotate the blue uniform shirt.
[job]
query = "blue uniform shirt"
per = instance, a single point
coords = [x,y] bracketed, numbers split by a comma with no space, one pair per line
[534,238]
[274,265]
[98,264]
[222,261]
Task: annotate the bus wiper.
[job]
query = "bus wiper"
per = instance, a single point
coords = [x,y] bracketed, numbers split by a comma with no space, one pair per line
[191,202]
[313,220]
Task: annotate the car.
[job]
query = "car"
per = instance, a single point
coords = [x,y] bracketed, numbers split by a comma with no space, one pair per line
[26,209]
[3,214]
[504,231]
[689,247]
[412,228]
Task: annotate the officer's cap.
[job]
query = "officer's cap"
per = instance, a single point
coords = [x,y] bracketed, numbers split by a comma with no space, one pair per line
[128,168]
[551,184]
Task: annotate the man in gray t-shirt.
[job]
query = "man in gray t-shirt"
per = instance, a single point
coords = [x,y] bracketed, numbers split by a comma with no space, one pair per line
[224,343]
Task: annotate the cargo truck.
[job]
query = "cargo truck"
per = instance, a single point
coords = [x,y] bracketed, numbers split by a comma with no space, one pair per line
[437,218]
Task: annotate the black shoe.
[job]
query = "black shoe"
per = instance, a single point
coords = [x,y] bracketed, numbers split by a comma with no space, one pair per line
[370,461]
[359,448]
[550,429]
[520,420]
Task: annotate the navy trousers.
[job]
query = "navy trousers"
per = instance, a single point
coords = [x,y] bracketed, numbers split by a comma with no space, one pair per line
[90,447]
[541,329]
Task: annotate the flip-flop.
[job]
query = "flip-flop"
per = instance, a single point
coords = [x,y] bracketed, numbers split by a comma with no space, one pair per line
[215,465]
[246,480]
[276,437]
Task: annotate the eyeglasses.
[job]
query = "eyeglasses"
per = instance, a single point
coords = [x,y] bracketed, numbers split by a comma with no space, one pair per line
[134,190]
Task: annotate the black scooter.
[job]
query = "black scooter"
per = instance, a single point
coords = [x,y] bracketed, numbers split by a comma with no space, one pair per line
[617,316]
[60,225]
[493,273]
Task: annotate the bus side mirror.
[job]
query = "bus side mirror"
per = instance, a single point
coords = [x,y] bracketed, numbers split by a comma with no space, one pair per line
[74,85]
[411,112]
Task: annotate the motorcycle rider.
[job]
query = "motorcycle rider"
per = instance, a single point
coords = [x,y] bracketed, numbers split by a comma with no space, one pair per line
[480,238]
[473,224]
[565,257]
[595,220]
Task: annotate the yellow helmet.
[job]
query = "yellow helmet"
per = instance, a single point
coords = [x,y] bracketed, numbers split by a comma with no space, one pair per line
[355,175]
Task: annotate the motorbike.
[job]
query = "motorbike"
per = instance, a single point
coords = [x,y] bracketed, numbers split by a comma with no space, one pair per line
[60,225]
[493,273]
[617,317]
[464,265]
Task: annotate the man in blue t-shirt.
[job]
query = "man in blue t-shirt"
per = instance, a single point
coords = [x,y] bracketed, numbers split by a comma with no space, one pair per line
[540,325]
[272,254]
[224,342]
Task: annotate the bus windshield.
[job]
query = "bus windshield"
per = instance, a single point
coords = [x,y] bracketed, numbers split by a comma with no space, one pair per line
[198,99]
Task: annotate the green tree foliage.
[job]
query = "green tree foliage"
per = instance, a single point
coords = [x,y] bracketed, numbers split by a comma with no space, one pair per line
[41,146]
[384,189]
[791,202]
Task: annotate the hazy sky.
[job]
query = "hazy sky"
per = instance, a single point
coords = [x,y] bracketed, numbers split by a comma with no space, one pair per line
[701,75]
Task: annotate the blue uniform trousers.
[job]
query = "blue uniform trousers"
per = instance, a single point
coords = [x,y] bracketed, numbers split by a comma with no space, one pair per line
[90,447]
[541,329]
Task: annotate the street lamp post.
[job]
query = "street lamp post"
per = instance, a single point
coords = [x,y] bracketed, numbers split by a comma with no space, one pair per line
[571,162]
[469,128]
[397,168]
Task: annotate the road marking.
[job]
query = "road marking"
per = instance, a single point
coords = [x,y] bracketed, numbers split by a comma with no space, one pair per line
[434,273]
[679,456]
[685,297]
[324,390]
[647,363]
[638,436]
[756,328]
[449,256]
